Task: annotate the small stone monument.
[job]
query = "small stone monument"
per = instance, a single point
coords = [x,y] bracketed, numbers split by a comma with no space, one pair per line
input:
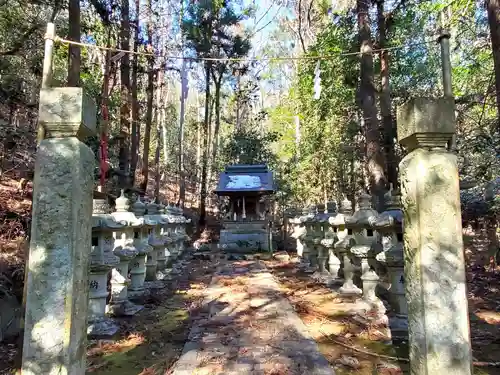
[156,241]
[102,261]
[321,225]
[132,231]
[364,237]
[389,225]
[142,238]
[329,243]
[343,247]
[438,318]
[124,249]
[171,225]
[167,240]
[61,235]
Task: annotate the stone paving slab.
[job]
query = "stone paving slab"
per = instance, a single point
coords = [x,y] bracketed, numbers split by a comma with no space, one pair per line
[251,329]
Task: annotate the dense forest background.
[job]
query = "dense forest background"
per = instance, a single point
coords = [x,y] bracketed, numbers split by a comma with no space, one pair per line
[308,86]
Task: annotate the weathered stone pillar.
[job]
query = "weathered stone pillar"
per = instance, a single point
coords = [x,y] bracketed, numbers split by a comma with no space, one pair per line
[438,322]
[61,234]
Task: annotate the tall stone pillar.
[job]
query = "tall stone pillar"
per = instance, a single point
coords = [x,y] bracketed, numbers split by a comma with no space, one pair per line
[61,237]
[438,323]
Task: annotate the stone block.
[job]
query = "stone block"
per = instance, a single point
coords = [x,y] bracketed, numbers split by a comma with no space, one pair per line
[425,122]
[58,269]
[67,112]
[434,269]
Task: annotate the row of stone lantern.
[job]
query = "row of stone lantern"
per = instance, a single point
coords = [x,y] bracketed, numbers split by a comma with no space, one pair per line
[133,247]
[355,252]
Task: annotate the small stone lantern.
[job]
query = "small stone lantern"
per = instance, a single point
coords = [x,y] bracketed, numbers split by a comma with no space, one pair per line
[390,227]
[343,247]
[308,238]
[364,237]
[321,221]
[124,249]
[102,260]
[329,242]
[180,230]
[156,240]
[297,233]
[172,221]
[138,268]
[139,209]
[187,237]
[166,240]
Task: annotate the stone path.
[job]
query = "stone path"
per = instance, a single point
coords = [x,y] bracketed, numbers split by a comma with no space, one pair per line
[250,329]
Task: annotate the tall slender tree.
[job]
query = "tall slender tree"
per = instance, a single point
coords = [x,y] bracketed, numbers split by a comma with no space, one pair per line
[149,100]
[375,165]
[493,7]
[136,128]
[125,95]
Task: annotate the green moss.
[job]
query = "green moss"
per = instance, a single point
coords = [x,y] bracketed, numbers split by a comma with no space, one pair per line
[170,320]
[376,347]
[130,361]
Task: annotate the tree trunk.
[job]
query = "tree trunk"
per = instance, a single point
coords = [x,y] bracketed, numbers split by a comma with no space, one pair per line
[238,94]
[203,187]
[182,175]
[157,156]
[198,146]
[210,141]
[374,157]
[149,105]
[123,157]
[494,22]
[103,146]
[217,121]
[136,128]
[385,100]
[74,58]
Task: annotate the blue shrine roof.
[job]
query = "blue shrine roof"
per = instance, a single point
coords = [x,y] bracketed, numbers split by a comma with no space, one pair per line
[249,179]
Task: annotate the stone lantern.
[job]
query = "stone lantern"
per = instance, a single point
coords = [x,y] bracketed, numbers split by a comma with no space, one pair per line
[124,249]
[166,240]
[343,247]
[361,223]
[320,227]
[309,250]
[390,227]
[102,260]
[328,242]
[187,237]
[138,268]
[156,240]
[171,224]
[298,231]
[139,209]
[180,230]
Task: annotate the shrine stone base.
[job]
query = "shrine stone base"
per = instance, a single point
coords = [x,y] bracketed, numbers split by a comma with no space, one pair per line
[244,237]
